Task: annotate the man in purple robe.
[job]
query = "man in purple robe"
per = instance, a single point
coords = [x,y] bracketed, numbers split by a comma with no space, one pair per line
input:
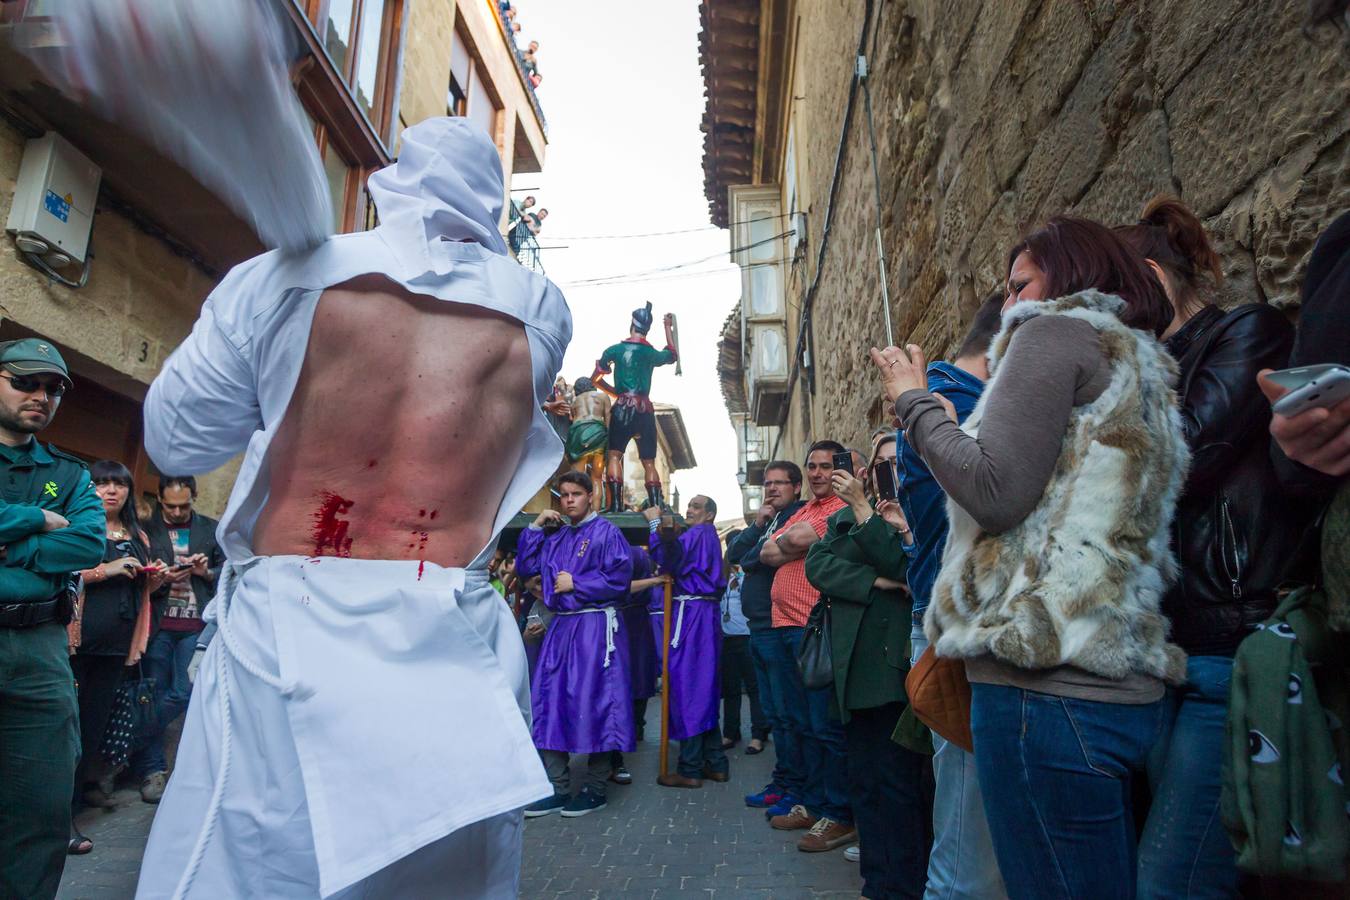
[643,666]
[694,560]
[644,663]
[581,699]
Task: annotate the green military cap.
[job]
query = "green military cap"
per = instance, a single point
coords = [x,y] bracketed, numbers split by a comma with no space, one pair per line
[33,356]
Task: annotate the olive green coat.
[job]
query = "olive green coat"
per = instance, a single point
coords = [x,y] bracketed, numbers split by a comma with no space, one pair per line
[870,627]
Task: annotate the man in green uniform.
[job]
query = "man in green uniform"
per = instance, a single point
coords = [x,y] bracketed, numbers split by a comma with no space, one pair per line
[51,524]
[632,361]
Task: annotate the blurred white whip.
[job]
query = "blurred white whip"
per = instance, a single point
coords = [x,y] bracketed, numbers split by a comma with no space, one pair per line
[207,83]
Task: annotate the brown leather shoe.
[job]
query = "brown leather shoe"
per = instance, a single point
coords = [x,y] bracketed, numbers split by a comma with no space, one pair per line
[675,779]
[710,775]
[827,834]
[797,818]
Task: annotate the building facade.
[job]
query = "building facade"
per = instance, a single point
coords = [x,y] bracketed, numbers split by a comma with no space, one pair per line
[936,133]
[161,242]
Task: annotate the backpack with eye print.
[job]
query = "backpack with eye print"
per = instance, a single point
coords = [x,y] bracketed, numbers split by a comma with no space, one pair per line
[1284,798]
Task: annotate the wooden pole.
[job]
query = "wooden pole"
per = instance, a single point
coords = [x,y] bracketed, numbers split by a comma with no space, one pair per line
[665,675]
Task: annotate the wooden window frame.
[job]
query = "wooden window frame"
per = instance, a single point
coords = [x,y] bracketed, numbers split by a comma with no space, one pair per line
[388,45]
[476,68]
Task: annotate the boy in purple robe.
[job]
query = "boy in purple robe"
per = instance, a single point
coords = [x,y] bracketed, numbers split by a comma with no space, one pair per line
[581,699]
[694,560]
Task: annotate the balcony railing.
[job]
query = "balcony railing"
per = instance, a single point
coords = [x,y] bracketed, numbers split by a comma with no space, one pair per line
[519,58]
[522,241]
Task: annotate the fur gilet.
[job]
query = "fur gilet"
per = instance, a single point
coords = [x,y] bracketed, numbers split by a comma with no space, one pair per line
[1078,581]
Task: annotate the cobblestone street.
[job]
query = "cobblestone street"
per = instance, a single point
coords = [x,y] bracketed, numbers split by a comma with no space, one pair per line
[650,842]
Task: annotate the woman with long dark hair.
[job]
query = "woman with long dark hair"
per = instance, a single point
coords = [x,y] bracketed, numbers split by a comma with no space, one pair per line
[1236,534]
[1062,485]
[114,623]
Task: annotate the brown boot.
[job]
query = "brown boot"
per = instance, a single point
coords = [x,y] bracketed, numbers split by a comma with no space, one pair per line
[710,775]
[795,820]
[676,780]
[827,834]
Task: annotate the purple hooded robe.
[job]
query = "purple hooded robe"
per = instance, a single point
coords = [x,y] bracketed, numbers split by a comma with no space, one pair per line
[580,695]
[643,665]
[695,560]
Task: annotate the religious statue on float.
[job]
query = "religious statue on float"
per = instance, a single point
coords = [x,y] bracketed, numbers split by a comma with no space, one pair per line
[588,438]
[633,417]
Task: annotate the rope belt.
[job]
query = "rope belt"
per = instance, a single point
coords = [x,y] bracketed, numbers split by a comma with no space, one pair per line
[611,625]
[679,616]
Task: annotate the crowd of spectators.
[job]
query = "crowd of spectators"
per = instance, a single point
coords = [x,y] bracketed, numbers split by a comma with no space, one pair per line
[524,222]
[1093,525]
[529,57]
[136,630]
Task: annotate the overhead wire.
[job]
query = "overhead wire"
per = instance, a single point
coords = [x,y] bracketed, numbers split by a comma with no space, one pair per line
[600,279]
[646,234]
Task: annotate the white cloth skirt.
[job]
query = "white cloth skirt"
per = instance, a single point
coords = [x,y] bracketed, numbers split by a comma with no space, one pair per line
[376,742]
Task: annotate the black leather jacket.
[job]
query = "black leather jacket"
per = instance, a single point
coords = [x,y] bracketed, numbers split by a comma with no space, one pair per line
[1237,534]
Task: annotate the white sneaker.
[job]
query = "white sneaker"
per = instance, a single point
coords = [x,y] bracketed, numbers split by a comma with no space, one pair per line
[853,854]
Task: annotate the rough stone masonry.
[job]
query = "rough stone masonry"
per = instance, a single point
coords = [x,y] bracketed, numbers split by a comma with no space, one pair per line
[991,117]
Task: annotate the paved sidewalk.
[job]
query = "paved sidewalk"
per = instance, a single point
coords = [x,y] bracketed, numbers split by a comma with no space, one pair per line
[661,843]
[650,842]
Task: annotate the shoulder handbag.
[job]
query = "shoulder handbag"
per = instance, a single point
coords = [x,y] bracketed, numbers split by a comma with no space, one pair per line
[815,659]
[132,712]
[939,694]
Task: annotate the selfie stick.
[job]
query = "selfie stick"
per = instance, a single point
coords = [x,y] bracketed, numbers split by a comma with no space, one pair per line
[665,675]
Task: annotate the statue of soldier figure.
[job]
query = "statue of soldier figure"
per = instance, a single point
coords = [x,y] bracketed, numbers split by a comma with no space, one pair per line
[633,416]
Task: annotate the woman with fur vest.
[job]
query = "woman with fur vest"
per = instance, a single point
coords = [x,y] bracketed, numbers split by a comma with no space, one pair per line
[1235,535]
[1062,486]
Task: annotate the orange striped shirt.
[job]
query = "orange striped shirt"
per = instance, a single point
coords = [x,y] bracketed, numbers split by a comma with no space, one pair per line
[793,596]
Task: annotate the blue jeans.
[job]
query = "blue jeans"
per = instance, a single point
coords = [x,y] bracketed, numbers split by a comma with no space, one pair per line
[166,660]
[1184,851]
[823,743]
[962,864]
[778,692]
[818,741]
[1055,773]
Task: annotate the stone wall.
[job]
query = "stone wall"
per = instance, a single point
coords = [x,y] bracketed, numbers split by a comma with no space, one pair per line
[139,304]
[991,117]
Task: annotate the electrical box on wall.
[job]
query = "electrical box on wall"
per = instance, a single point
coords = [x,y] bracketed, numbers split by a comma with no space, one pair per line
[53,209]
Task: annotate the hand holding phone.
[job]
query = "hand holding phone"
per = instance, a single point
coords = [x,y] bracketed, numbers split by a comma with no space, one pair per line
[883,475]
[1310,387]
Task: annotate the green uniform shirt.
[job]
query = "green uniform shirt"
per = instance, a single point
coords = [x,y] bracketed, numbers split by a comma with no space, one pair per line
[36,563]
[632,363]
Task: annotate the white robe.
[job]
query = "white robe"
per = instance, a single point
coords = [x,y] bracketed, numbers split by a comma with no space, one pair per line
[358,728]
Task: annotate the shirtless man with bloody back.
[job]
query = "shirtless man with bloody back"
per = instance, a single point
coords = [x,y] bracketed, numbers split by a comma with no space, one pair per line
[359,726]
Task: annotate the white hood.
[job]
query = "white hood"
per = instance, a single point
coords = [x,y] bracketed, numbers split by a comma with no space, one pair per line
[446,185]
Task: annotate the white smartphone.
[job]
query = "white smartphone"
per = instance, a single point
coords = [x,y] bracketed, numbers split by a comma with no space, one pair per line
[1311,386]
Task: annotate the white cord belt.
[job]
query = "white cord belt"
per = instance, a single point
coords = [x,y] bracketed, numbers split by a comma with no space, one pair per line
[611,625]
[679,616]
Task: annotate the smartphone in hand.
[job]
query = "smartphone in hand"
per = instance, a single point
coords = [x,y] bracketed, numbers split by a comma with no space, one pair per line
[843,460]
[883,474]
[1310,387]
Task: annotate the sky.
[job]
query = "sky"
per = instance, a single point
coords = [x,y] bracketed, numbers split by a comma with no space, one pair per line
[625,157]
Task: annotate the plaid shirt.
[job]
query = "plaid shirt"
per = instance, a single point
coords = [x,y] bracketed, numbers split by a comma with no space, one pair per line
[793,596]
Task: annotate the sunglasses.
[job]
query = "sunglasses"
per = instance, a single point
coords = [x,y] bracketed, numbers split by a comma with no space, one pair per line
[27,384]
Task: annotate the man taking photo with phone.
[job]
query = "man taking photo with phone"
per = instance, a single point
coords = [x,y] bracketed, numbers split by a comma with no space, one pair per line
[187,539]
[823,806]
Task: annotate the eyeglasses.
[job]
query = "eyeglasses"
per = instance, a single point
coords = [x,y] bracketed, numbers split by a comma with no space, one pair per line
[778,483]
[27,384]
